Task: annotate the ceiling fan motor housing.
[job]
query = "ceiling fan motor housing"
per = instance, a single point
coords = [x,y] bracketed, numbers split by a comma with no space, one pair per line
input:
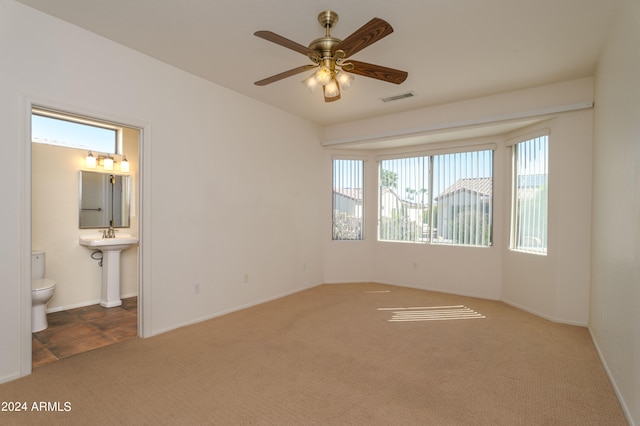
[324,45]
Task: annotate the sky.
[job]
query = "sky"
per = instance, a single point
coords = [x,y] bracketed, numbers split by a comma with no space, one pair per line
[72,135]
[413,173]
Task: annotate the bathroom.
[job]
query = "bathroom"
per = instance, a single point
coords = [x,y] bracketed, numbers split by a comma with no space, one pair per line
[55,228]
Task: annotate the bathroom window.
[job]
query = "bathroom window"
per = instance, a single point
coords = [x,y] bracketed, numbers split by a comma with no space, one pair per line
[54,128]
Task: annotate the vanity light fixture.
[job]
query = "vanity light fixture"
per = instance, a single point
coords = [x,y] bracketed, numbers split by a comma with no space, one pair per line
[90,161]
[108,163]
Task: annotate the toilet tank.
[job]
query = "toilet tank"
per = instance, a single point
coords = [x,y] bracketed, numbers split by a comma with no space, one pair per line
[37,264]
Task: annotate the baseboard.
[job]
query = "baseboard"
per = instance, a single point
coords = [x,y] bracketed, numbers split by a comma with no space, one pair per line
[231,310]
[616,389]
[74,306]
[85,303]
[9,378]
[543,315]
[439,290]
[477,296]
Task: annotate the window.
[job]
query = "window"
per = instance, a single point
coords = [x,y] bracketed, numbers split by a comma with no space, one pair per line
[404,199]
[529,201]
[53,128]
[348,199]
[439,199]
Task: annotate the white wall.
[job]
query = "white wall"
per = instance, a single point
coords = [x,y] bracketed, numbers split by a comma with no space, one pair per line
[229,185]
[615,289]
[223,197]
[350,261]
[55,228]
[438,267]
[555,286]
[535,101]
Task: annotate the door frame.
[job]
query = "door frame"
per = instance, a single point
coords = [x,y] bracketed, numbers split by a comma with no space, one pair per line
[144,217]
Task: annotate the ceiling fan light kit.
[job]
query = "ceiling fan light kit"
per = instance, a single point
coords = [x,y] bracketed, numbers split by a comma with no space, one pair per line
[328,54]
[344,79]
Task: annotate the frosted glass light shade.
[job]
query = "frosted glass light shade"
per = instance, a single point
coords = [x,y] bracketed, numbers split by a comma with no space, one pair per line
[344,79]
[311,83]
[90,161]
[108,163]
[331,90]
[323,75]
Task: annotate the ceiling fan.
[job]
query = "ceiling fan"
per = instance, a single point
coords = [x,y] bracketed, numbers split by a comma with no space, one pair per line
[330,54]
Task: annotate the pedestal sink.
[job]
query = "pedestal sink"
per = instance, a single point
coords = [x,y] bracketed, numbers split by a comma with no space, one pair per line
[111,248]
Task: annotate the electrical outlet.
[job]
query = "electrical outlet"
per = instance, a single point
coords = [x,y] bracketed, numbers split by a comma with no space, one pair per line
[196,288]
[246,278]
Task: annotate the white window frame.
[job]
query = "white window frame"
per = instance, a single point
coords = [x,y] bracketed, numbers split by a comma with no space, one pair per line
[348,203]
[537,240]
[434,236]
[76,119]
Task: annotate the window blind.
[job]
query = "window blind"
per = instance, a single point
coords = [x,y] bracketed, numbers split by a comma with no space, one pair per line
[437,199]
[348,199]
[530,195]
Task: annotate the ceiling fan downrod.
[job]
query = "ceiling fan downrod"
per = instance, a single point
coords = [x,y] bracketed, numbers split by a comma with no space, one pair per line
[324,45]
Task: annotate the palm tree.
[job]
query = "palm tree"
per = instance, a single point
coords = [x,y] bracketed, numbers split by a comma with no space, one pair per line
[389,178]
[412,193]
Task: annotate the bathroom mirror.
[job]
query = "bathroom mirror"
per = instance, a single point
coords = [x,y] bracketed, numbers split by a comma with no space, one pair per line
[104,200]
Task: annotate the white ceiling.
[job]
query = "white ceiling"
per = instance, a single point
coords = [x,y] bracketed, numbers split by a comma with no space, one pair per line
[452,49]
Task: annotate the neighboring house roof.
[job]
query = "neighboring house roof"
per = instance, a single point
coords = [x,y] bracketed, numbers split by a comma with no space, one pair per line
[483,186]
[408,203]
[355,194]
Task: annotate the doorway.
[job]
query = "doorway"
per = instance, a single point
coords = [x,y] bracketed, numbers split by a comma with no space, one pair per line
[77,322]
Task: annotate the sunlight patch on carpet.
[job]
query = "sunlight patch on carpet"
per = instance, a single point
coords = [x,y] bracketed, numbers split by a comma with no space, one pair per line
[432,313]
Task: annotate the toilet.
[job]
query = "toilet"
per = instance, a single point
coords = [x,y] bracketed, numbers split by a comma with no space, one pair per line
[41,292]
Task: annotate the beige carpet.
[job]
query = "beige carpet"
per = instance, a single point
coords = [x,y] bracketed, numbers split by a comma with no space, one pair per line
[331,356]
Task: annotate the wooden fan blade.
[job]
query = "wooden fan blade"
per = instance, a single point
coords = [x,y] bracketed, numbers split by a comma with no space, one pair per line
[285,42]
[378,72]
[284,74]
[368,34]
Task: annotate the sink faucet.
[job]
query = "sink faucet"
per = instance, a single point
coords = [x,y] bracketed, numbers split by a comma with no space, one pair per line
[109,233]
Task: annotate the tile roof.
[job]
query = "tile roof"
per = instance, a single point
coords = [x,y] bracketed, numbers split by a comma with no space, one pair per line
[353,193]
[482,186]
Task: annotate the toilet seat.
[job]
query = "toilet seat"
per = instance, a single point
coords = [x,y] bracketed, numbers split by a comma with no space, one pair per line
[42,284]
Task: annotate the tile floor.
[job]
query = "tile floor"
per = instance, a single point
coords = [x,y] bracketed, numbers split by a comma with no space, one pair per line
[84,329]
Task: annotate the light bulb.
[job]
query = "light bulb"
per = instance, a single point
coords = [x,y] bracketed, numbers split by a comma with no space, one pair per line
[310,82]
[344,79]
[124,164]
[323,75]
[331,89]
[108,163]
[90,161]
